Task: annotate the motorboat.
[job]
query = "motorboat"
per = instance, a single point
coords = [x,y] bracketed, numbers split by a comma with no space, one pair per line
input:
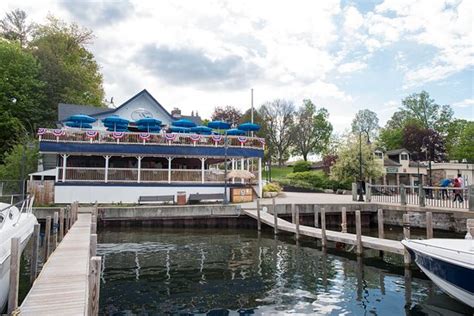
[15,221]
[449,263]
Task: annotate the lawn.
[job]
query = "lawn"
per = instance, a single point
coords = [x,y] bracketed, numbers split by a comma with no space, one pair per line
[280,172]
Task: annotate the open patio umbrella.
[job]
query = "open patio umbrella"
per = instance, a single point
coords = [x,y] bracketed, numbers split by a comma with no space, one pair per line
[235,132]
[115,123]
[249,127]
[179,129]
[242,174]
[183,123]
[78,125]
[149,129]
[79,120]
[218,125]
[149,123]
[201,130]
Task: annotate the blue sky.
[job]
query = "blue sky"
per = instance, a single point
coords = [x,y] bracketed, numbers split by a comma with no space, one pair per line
[344,55]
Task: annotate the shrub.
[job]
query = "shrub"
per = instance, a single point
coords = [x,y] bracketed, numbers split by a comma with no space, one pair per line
[315,179]
[301,166]
[272,187]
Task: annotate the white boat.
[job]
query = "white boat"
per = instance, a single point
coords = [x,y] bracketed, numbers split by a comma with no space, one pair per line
[449,263]
[15,221]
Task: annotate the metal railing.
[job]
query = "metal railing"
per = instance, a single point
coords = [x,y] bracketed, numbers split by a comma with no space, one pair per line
[174,139]
[442,197]
[9,215]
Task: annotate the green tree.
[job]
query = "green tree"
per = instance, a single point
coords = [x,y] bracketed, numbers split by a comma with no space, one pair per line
[15,27]
[313,130]
[70,70]
[391,138]
[21,160]
[21,94]
[347,166]
[228,113]
[453,137]
[464,145]
[366,122]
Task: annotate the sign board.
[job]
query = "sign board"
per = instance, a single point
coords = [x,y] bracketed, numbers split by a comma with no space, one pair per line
[392,170]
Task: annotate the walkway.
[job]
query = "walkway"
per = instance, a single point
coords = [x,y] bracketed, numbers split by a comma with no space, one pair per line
[61,287]
[367,242]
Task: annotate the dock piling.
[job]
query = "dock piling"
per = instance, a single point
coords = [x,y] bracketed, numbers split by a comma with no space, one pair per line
[293,214]
[429,225]
[68,219]
[344,220]
[323,228]
[47,238]
[93,246]
[259,223]
[275,217]
[61,224]
[94,286]
[406,235]
[93,225]
[34,253]
[359,249]
[316,216]
[380,223]
[297,218]
[55,230]
[15,253]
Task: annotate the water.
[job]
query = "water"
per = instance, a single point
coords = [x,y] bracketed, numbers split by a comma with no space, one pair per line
[149,271]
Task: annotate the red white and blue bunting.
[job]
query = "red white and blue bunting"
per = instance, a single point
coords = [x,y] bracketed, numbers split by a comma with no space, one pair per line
[171,137]
[91,134]
[262,141]
[195,137]
[118,135]
[242,139]
[41,131]
[144,136]
[59,132]
[216,138]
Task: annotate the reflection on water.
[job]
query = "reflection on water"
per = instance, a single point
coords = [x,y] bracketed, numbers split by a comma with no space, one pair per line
[221,272]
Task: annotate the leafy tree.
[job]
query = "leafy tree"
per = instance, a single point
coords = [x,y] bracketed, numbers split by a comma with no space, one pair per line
[257,119]
[454,137]
[228,113]
[391,138]
[21,160]
[424,143]
[278,116]
[366,122]
[70,70]
[464,146]
[15,27]
[313,130]
[347,166]
[21,94]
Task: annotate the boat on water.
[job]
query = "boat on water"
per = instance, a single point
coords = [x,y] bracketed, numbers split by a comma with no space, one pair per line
[449,263]
[15,221]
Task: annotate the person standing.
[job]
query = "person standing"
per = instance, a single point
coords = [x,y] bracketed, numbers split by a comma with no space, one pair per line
[458,186]
[444,185]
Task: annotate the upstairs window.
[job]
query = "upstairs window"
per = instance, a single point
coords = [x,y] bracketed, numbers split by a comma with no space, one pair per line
[378,154]
[404,157]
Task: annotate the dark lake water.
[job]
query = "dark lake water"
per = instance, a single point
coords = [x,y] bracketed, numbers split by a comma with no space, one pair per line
[150,271]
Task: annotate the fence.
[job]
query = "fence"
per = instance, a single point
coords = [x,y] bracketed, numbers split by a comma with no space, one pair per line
[455,198]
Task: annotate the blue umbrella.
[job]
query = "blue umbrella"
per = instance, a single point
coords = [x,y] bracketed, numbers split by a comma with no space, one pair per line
[114,123]
[179,129]
[249,127]
[78,124]
[149,129]
[183,123]
[81,118]
[235,131]
[201,130]
[148,124]
[218,125]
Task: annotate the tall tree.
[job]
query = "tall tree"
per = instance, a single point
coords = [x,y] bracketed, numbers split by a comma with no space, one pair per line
[366,122]
[424,143]
[15,27]
[228,113]
[257,119]
[391,138]
[312,129]
[464,144]
[347,166]
[70,70]
[278,116]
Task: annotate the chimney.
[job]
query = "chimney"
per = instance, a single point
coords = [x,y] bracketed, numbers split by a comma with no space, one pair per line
[176,113]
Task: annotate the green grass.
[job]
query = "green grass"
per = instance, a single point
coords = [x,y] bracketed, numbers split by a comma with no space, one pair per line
[280,172]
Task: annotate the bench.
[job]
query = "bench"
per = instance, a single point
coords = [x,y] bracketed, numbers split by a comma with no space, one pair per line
[155,198]
[195,198]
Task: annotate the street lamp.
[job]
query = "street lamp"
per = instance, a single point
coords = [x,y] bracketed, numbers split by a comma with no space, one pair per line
[361,196]
[225,201]
[425,149]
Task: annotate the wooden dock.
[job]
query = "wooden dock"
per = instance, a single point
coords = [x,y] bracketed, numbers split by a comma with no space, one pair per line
[347,238]
[62,286]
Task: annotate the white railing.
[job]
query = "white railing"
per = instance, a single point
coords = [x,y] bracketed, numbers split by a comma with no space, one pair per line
[172,139]
[421,196]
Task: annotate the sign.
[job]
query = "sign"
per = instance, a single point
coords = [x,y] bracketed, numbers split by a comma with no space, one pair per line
[140,113]
[392,170]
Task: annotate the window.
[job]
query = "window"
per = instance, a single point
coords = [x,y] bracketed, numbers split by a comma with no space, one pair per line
[404,157]
[378,154]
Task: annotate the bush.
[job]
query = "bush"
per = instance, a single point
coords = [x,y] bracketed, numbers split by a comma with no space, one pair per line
[272,187]
[315,179]
[301,166]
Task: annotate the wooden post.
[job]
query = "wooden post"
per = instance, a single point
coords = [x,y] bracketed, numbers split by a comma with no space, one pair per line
[34,253]
[275,218]
[343,220]
[68,220]
[403,194]
[55,230]
[354,191]
[61,224]
[259,224]
[429,225]
[15,253]
[47,238]
[323,227]
[368,195]
[297,218]
[316,215]
[94,286]
[293,214]
[380,223]
[359,249]
[93,225]
[470,226]
[93,246]
[406,235]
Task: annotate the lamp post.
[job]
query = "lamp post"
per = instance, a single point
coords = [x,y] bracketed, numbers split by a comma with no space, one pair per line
[361,196]
[225,201]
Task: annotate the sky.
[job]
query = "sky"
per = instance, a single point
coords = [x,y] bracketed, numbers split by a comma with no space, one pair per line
[343,55]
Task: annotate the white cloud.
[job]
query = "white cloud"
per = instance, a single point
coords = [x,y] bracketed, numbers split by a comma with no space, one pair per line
[351,67]
[464,103]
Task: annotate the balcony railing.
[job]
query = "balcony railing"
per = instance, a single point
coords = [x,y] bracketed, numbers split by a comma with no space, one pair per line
[131,175]
[105,137]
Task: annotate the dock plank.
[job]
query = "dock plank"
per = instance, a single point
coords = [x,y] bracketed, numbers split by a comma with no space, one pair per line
[388,245]
[61,287]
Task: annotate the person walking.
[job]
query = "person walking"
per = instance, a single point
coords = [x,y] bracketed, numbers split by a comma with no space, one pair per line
[458,186]
[444,185]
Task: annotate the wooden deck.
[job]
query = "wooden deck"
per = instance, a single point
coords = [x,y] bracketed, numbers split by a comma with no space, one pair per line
[367,242]
[61,287]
